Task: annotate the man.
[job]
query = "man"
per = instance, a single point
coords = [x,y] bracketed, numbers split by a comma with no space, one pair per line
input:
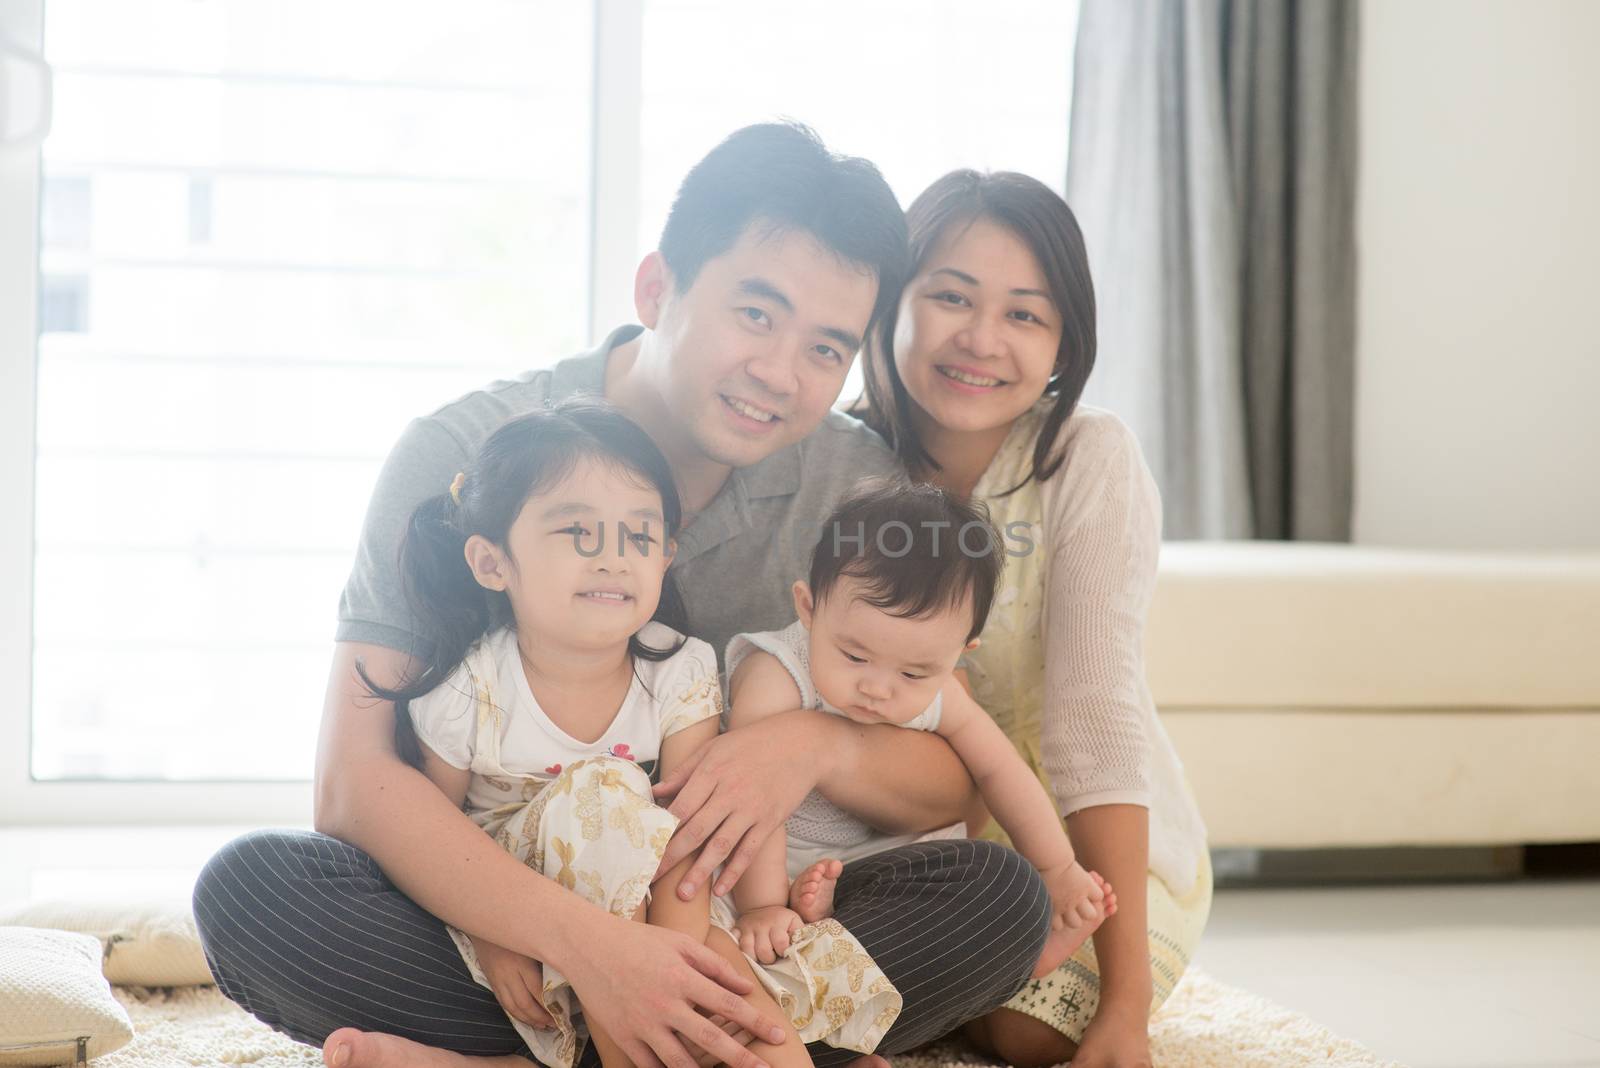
[775,260]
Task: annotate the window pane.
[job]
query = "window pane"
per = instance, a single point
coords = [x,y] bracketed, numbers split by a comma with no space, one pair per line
[920,87]
[273,232]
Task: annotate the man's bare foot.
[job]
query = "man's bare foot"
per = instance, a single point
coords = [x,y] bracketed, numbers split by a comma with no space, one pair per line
[812,897]
[868,1060]
[349,1048]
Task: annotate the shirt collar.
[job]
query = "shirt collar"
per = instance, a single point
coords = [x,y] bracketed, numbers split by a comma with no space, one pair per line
[586,372]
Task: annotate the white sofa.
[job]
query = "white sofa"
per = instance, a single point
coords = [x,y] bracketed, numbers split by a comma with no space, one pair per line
[1337,695]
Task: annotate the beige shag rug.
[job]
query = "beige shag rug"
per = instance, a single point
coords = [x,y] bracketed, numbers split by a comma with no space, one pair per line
[1205,1024]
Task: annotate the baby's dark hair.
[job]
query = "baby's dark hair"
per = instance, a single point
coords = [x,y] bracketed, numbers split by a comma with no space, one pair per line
[524,457]
[916,549]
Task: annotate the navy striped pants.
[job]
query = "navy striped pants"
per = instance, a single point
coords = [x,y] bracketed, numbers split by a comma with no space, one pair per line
[306,933]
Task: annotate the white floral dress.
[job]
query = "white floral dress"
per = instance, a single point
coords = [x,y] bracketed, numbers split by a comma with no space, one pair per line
[582,814]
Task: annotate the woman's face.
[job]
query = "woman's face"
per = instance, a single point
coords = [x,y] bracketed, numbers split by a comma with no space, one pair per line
[977,334]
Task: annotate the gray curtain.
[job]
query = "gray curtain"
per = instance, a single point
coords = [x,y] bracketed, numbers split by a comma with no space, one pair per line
[1212,165]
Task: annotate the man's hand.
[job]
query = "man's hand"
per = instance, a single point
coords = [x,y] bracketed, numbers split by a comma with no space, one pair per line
[517,982]
[765,933]
[657,993]
[738,789]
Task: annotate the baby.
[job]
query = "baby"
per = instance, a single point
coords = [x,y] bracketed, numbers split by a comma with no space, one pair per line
[900,587]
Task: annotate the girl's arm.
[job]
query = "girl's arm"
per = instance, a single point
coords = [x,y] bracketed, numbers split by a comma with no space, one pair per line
[1013,795]
[676,748]
[451,781]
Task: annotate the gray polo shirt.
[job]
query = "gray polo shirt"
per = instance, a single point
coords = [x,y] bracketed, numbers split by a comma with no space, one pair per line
[736,559]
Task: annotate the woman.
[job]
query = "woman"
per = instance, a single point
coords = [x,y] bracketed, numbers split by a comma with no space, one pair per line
[975,380]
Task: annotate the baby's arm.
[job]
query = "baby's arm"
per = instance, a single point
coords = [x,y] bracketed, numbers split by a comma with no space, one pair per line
[1010,790]
[1022,807]
[760,687]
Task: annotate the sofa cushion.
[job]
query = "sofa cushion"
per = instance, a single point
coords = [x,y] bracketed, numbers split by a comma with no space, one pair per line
[1303,625]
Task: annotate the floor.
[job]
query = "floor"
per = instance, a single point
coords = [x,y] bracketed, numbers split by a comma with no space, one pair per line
[1461,975]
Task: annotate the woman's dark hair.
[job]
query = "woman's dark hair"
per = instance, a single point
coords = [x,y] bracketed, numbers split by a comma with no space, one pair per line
[780,174]
[916,549]
[524,457]
[1041,220]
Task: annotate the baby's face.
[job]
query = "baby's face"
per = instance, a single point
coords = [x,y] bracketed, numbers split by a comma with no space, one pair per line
[874,666]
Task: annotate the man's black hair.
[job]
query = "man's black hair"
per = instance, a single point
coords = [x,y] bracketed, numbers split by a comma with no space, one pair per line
[782,176]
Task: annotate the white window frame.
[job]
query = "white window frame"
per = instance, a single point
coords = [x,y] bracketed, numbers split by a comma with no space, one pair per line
[613,234]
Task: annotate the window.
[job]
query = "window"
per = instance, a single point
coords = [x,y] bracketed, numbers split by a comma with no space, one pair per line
[272,231]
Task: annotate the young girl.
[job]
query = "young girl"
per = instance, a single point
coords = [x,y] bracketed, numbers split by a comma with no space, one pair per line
[557,683]
[900,586]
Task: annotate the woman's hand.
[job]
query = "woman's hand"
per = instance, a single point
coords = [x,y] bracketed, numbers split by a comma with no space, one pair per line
[738,789]
[653,990]
[517,982]
[1115,1039]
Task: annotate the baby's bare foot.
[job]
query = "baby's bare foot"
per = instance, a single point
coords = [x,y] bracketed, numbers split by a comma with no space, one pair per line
[349,1048]
[812,893]
[1064,941]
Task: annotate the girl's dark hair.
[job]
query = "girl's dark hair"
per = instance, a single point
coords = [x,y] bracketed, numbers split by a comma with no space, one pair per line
[524,457]
[917,550]
[1041,220]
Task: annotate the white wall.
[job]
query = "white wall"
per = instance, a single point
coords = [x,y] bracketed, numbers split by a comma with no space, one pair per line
[1478,352]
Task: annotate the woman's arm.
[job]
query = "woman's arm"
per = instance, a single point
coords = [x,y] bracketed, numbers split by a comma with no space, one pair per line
[1103,524]
[1114,840]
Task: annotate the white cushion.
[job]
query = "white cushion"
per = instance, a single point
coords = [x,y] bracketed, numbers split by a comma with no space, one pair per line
[1304,625]
[51,994]
[146,943]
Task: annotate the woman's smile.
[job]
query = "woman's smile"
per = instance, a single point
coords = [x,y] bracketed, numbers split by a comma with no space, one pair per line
[966,380]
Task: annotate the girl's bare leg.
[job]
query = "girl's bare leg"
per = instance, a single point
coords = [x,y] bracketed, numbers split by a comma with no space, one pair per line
[611,1055]
[693,918]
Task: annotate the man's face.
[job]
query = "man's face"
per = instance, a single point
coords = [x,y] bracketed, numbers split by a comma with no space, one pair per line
[754,354]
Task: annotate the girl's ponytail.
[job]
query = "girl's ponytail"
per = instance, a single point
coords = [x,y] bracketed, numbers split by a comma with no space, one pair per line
[455,610]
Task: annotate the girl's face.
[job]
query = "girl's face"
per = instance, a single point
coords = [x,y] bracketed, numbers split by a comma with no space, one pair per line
[977,335]
[584,560]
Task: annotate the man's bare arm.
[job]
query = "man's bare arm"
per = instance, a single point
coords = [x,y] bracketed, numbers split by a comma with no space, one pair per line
[367,796]
[650,988]
[899,781]
[742,786]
